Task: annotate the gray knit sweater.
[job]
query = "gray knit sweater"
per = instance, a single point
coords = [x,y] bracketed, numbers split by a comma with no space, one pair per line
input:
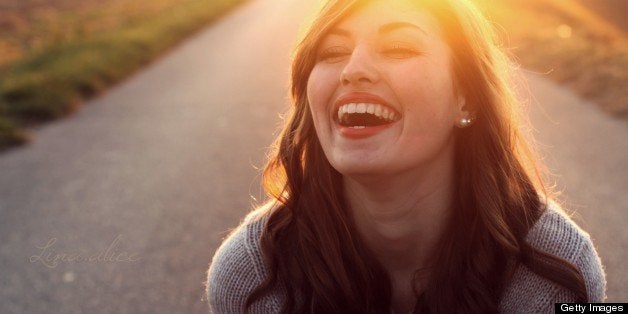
[237,269]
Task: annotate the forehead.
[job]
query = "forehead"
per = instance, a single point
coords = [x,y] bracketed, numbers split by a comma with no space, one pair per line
[372,15]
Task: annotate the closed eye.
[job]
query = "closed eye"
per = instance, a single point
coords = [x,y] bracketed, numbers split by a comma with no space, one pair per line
[334,54]
[400,51]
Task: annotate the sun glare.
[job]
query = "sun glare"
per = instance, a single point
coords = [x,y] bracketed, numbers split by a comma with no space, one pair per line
[564,31]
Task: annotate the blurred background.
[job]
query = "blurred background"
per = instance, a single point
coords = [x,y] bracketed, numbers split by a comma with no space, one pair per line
[132,134]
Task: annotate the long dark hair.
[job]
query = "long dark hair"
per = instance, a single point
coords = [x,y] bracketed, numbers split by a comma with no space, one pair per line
[310,242]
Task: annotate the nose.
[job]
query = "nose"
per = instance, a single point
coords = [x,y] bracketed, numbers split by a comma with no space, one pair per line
[360,68]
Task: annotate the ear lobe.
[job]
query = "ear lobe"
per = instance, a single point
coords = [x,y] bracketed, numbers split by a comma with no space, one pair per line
[465,116]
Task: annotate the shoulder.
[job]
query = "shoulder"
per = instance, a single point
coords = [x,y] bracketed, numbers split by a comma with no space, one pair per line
[237,268]
[557,234]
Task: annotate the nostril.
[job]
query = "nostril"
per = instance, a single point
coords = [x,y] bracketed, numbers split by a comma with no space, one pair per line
[356,77]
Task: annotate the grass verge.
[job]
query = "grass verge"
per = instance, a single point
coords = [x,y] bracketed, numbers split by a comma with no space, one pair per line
[86,52]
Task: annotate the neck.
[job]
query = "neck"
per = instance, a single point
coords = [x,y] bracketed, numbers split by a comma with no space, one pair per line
[401,217]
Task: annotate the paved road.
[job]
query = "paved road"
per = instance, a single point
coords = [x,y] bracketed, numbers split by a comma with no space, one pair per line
[165,160]
[147,179]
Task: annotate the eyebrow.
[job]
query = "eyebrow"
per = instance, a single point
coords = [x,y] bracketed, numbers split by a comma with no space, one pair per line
[387,28]
[384,29]
[340,32]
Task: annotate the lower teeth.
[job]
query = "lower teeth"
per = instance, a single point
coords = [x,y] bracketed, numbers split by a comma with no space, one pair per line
[358,127]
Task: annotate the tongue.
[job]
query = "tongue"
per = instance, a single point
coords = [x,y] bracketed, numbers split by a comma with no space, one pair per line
[362,119]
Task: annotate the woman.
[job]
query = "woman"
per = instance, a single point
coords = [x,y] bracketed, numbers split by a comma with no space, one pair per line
[401,182]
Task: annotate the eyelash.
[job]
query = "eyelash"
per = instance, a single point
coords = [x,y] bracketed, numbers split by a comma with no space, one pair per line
[333,53]
[395,51]
[398,51]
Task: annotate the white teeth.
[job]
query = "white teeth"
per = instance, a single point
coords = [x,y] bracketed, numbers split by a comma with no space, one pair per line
[351,108]
[360,108]
[375,109]
[378,111]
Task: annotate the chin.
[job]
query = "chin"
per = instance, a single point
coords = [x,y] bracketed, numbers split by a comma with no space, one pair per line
[358,169]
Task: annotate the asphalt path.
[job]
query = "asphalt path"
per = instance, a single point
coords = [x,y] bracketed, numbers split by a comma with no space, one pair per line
[137,189]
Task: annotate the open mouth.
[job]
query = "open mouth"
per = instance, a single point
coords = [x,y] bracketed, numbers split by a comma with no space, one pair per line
[362,115]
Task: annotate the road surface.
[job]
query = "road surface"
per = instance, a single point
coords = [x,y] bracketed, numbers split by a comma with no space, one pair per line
[135,192]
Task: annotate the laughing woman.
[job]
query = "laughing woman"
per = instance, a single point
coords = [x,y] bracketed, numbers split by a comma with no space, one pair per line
[401,182]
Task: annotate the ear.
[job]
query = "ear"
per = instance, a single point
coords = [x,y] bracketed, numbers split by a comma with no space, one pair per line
[464,115]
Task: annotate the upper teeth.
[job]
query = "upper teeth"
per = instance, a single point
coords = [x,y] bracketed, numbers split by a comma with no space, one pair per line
[375,109]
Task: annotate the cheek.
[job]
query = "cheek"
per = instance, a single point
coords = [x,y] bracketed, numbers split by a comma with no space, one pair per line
[320,88]
[427,94]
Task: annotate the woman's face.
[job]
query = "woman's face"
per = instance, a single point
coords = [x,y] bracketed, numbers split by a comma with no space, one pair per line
[382,93]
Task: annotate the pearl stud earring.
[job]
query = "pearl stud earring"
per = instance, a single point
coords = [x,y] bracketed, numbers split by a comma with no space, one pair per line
[464,122]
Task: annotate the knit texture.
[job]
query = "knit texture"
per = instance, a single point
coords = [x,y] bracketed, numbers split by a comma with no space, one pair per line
[237,269]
